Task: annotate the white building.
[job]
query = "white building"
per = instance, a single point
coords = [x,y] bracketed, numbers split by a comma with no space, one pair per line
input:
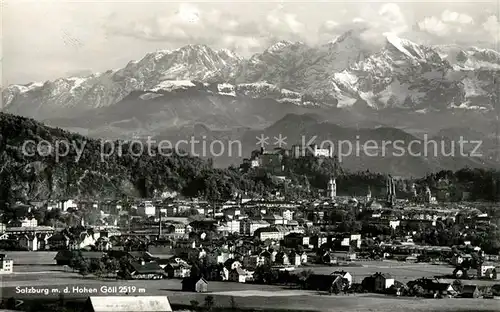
[65,205]
[394,223]
[146,209]
[255,163]
[271,234]
[312,150]
[345,275]
[6,265]
[332,188]
[288,215]
[26,223]
[178,229]
[233,226]
[248,227]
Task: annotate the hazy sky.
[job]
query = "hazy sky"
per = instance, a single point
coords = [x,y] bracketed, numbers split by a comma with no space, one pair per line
[44,40]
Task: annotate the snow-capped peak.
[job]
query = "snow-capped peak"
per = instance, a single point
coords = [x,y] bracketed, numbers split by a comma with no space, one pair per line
[348,35]
[226,53]
[279,46]
[158,55]
[408,48]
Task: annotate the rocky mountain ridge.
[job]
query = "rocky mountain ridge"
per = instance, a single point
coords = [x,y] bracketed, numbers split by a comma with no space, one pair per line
[343,73]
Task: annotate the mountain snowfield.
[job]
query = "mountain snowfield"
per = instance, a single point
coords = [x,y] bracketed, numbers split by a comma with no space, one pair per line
[344,73]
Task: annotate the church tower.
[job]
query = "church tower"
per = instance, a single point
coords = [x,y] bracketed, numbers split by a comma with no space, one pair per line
[427,195]
[414,191]
[369,194]
[391,191]
[393,199]
[332,188]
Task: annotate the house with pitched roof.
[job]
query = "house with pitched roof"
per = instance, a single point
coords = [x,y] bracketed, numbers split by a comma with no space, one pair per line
[322,282]
[194,284]
[178,270]
[59,241]
[240,275]
[146,270]
[382,281]
[345,275]
[6,265]
[29,241]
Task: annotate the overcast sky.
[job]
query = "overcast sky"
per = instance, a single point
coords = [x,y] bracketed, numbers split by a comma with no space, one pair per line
[49,39]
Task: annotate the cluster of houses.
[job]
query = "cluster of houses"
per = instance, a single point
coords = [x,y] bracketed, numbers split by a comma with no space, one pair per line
[425,287]
[223,266]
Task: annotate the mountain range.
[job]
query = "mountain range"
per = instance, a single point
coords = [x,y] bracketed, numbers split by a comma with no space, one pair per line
[406,86]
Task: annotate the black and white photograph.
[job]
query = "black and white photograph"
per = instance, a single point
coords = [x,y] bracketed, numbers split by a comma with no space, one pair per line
[277,156]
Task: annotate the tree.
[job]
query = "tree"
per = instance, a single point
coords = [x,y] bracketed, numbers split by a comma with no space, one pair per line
[304,275]
[458,285]
[124,267]
[112,266]
[417,290]
[76,262]
[194,305]
[209,303]
[263,274]
[97,267]
[84,269]
[234,307]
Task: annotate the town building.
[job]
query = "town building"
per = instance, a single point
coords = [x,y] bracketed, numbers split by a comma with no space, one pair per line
[312,150]
[293,240]
[321,282]
[240,275]
[63,205]
[146,209]
[178,270]
[274,219]
[194,284]
[332,188]
[146,270]
[177,228]
[26,222]
[382,281]
[253,261]
[288,215]
[248,227]
[6,265]
[345,275]
[276,233]
[59,241]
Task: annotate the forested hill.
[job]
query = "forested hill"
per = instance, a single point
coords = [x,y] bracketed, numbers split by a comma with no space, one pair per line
[30,175]
[40,177]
